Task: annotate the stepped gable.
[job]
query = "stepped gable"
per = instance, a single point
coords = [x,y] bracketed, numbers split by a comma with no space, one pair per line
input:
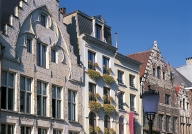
[141,57]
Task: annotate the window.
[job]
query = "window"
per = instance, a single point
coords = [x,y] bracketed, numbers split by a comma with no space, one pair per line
[71,105]
[106,121]
[91,60]
[183,104]
[53,55]
[41,55]
[180,104]
[105,65]
[174,124]
[56,102]
[7,90]
[25,130]
[160,121]
[132,102]
[92,88]
[163,75]
[153,71]
[98,31]
[121,125]
[29,46]
[167,123]
[120,76]
[92,119]
[158,72]
[187,106]
[25,94]
[7,129]
[131,81]
[57,131]
[41,98]
[43,20]
[73,133]
[42,131]
[106,92]
[120,97]
[167,97]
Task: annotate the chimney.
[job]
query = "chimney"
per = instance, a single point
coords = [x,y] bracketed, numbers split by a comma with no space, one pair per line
[189,61]
[116,40]
[62,11]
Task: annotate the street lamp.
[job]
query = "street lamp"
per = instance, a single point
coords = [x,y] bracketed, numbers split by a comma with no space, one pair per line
[150,100]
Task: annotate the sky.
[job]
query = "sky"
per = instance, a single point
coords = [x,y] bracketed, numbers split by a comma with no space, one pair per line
[140,22]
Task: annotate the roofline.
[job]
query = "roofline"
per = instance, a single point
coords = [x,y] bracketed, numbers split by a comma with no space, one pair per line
[188,88]
[128,59]
[85,15]
[139,52]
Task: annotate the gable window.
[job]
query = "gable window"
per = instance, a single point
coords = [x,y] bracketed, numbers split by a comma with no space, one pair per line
[120,76]
[98,31]
[91,60]
[106,121]
[7,90]
[25,94]
[167,123]
[120,97]
[92,90]
[132,102]
[41,98]
[41,55]
[105,65]
[57,131]
[160,120]
[71,105]
[7,129]
[53,55]
[56,102]
[43,20]
[158,72]
[167,99]
[42,131]
[106,92]
[131,81]
[29,47]
[25,130]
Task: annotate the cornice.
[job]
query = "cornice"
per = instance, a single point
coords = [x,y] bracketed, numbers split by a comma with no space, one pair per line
[127,59]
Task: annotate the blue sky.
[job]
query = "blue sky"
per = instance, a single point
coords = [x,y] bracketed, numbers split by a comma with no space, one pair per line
[140,22]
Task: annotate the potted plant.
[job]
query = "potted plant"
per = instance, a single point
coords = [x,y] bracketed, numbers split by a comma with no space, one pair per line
[110,99]
[90,94]
[93,74]
[104,67]
[97,129]
[94,106]
[91,129]
[109,70]
[95,64]
[96,95]
[104,97]
[108,108]
[111,131]
[106,131]
[108,79]
[89,62]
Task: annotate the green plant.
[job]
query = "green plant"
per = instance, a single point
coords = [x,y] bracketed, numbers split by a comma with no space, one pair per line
[93,74]
[91,129]
[104,66]
[90,94]
[108,109]
[106,131]
[110,99]
[111,131]
[94,106]
[95,64]
[108,79]
[104,97]
[109,70]
[97,129]
[96,96]
[89,62]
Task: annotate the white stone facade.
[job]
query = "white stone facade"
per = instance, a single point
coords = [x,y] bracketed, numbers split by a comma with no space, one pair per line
[64,72]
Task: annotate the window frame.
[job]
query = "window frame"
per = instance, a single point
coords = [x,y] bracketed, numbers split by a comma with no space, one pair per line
[98,31]
[160,122]
[167,99]
[53,55]
[132,102]
[91,58]
[120,76]
[158,72]
[57,131]
[45,19]
[174,121]
[121,100]
[72,102]
[41,57]
[41,130]
[92,119]
[107,123]
[92,88]
[57,99]
[29,45]
[167,127]
[131,80]
[7,127]
[106,92]
[105,65]
[25,129]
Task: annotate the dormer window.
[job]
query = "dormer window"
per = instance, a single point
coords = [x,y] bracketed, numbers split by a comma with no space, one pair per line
[98,30]
[43,20]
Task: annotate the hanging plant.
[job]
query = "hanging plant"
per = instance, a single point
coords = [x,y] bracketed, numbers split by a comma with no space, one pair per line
[110,99]
[108,79]
[93,74]
[91,129]
[94,106]
[104,97]
[89,62]
[108,109]
[96,96]
[95,64]
[109,70]
[106,131]
[111,131]
[97,129]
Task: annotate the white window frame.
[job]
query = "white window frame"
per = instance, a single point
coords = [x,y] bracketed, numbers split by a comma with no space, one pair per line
[25,94]
[40,54]
[42,96]
[26,129]
[132,103]
[131,80]
[120,80]
[73,113]
[57,99]
[7,89]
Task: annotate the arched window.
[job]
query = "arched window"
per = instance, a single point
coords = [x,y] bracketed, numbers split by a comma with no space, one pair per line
[107,121]
[92,119]
[121,125]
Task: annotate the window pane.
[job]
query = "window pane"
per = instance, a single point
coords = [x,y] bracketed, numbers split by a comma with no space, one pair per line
[10,81]
[22,83]
[28,84]
[73,93]
[53,108]
[58,93]
[73,111]
[39,130]
[38,104]
[10,99]
[3,129]
[53,91]
[38,54]
[3,97]
[44,131]
[28,130]
[43,56]
[69,96]
[44,106]
[10,129]
[22,98]
[43,20]
[59,109]
[69,111]
[53,55]
[44,88]
[22,130]
[38,87]
[4,78]
[28,110]
[54,131]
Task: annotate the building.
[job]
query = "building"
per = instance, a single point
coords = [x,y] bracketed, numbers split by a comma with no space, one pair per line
[129,107]
[156,73]
[40,78]
[186,70]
